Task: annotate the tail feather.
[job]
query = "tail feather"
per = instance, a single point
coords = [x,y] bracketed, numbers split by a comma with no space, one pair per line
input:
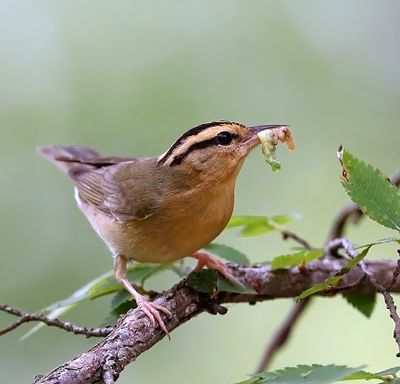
[68,158]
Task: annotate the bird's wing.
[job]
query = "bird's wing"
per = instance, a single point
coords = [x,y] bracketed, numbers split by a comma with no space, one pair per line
[124,190]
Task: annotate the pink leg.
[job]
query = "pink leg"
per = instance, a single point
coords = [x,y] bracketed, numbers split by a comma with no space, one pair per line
[150,309]
[205,259]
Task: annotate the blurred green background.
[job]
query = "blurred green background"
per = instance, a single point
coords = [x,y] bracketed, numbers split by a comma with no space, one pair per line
[128,77]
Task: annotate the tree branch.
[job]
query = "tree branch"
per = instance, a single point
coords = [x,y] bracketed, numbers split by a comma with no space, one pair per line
[26,317]
[286,234]
[134,334]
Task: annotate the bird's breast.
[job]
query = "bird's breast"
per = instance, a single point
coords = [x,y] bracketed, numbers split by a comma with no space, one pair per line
[180,229]
[183,223]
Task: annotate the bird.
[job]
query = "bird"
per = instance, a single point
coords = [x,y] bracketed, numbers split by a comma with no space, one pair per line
[162,208]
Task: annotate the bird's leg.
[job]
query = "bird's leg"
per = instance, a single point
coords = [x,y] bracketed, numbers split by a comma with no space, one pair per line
[205,259]
[150,309]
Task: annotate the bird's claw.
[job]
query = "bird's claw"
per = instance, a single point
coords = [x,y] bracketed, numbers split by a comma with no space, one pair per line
[152,311]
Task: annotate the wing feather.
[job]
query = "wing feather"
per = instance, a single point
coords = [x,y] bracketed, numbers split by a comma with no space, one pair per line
[121,190]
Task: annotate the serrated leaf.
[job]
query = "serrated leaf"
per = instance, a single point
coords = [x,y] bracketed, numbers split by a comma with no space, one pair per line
[320,374]
[310,374]
[371,190]
[203,281]
[329,283]
[258,225]
[137,273]
[105,290]
[362,375]
[209,281]
[387,375]
[119,310]
[224,285]
[293,259]
[353,262]
[121,298]
[228,253]
[364,302]
[141,272]
[334,280]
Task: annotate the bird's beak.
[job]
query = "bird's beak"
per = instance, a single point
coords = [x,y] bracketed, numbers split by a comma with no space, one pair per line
[251,140]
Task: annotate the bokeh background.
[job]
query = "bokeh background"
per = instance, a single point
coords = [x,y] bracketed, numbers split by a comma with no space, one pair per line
[128,77]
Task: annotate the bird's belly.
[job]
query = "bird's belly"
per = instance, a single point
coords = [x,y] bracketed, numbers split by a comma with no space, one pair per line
[182,238]
[164,236]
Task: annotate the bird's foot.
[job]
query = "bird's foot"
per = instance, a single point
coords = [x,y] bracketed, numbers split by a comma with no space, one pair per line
[150,309]
[205,259]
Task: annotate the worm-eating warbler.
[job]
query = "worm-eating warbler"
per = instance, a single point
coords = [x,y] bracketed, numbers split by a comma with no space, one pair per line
[159,209]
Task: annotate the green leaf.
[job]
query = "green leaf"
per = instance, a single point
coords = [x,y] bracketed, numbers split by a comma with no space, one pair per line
[141,272]
[353,262]
[321,374]
[224,285]
[386,240]
[251,381]
[387,375]
[121,303]
[329,283]
[228,253]
[258,225]
[364,302]
[310,374]
[390,371]
[362,375]
[371,190]
[107,289]
[333,281]
[137,273]
[121,298]
[203,281]
[293,259]
[209,281]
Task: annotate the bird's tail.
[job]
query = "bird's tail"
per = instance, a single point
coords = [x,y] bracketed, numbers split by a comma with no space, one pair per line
[68,158]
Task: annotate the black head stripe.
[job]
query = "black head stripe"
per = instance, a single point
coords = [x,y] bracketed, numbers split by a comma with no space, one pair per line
[194,147]
[191,132]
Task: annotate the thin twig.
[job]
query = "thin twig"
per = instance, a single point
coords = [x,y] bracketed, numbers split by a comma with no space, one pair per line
[281,335]
[390,304]
[25,317]
[291,235]
[341,220]
[389,301]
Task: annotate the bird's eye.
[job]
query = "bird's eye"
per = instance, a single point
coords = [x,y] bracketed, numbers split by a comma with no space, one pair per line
[224,138]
